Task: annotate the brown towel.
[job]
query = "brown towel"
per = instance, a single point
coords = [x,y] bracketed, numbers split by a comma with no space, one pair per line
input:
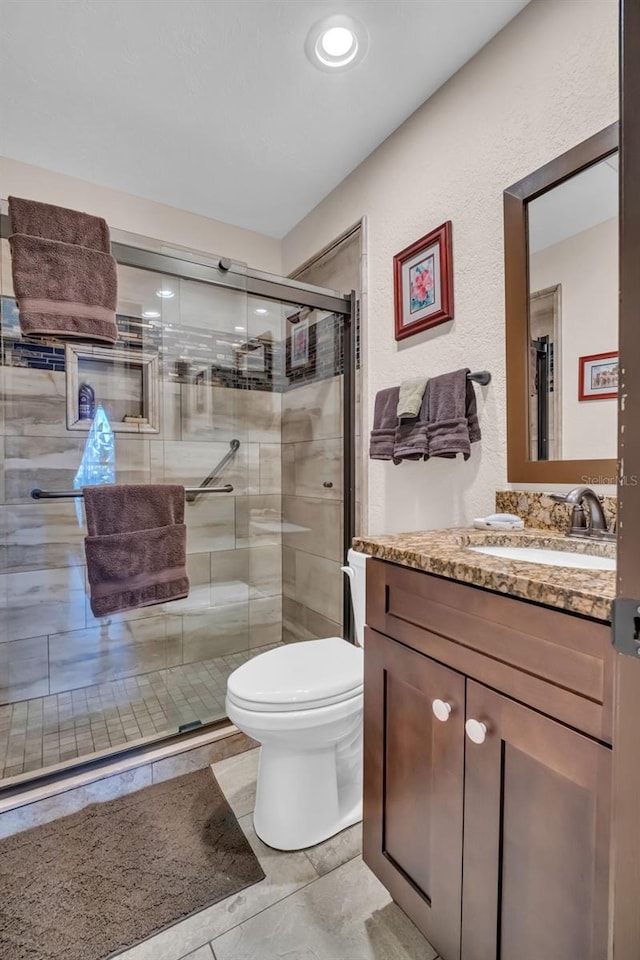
[57,223]
[412,436]
[471,413]
[384,424]
[64,289]
[136,547]
[450,430]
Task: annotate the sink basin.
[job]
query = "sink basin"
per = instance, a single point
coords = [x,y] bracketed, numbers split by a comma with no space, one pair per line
[554,558]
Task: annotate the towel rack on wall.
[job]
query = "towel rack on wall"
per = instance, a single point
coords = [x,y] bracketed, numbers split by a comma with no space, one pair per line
[191,493]
[61,494]
[483,377]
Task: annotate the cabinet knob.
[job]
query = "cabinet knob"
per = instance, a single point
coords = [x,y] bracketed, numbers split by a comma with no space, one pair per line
[441,710]
[476,730]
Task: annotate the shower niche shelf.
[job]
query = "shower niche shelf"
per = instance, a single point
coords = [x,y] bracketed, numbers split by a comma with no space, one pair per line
[124,382]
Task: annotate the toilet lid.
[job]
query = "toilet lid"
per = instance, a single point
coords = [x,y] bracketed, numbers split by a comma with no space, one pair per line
[299,676]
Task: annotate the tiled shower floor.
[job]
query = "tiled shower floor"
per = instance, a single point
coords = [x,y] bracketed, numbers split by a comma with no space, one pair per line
[38,733]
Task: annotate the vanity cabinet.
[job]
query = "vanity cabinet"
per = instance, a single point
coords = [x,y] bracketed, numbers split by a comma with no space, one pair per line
[536,836]
[413,798]
[487,768]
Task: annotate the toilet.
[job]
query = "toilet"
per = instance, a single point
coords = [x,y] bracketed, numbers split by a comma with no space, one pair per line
[303,703]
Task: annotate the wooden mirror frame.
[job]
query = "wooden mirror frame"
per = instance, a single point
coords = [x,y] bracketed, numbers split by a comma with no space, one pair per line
[516,266]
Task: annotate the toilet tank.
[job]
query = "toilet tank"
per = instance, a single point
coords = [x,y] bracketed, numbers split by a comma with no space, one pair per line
[356,570]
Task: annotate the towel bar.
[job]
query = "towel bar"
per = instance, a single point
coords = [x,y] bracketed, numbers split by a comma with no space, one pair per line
[483,377]
[61,494]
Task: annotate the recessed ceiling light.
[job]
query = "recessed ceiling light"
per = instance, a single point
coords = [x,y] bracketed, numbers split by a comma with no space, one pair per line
[240,329]
[261,310]
[164,293]
[150,314]
[336,43]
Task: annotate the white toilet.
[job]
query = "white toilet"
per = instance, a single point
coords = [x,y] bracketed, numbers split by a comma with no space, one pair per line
[303,703]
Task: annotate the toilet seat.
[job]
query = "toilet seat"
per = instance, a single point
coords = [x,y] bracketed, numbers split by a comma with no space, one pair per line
[298,676]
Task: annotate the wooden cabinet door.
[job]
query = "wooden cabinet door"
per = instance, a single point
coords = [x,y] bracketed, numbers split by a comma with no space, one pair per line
[536,836]
[413,786]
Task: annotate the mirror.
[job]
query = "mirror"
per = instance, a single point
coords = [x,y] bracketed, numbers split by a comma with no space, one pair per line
[573,316]
[561,266]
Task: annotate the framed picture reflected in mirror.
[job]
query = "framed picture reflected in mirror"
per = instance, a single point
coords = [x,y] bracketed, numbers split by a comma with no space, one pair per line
[598,376]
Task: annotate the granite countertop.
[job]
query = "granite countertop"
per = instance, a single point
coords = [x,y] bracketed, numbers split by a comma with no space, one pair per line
[445,553]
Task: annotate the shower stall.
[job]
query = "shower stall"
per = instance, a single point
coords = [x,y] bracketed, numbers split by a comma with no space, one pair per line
[239,385]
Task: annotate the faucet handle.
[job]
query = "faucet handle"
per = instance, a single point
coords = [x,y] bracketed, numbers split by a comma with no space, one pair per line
[578,518]
[558,497]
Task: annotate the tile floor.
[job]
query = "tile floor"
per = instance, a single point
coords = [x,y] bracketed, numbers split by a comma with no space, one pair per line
[320,904]
[39,733]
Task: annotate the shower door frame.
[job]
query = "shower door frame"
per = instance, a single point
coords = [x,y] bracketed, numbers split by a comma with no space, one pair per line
[233,275]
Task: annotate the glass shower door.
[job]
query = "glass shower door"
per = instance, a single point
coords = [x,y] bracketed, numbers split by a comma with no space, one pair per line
[169,399]
[212,439]
[313,450]
[205,382]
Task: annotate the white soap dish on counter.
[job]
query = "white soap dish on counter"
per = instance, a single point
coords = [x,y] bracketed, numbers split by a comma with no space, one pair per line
[499,521]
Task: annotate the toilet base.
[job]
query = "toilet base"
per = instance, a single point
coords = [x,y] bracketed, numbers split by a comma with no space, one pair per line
[304,797]
[355,816]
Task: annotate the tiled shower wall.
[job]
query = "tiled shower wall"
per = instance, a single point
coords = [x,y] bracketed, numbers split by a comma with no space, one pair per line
[312,464]
[49,639]
[312,510]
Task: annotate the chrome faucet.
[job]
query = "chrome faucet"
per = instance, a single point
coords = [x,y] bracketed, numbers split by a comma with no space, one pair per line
[578,526]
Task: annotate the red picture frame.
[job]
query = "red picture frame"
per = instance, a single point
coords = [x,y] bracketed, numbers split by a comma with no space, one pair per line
[598,367]
[423,283]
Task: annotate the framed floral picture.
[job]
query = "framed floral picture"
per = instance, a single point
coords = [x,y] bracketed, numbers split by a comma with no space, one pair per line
[423,283]
[598,376]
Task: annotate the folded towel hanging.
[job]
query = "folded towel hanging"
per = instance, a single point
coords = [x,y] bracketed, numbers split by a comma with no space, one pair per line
[452,415]
[58,223]
[411,436]
[64,290]
[471,412]
[410,398]
[385,417]
[136,546]
[449,418]
[65,279]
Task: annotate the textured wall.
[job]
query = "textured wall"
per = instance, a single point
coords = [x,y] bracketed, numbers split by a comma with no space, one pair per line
[137,215]
[546,82]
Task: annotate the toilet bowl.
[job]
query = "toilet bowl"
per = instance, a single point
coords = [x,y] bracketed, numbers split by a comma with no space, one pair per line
[303,703]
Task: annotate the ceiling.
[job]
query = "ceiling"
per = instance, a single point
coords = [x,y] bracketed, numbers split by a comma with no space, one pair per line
[211,105]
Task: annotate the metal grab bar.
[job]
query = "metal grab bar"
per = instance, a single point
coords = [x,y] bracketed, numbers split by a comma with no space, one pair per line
[194,492]
[61,494]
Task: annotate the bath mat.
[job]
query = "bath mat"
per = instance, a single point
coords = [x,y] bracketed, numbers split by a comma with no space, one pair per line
[89,885]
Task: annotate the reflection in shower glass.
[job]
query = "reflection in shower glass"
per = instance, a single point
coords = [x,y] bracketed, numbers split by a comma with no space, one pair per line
[98,464]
